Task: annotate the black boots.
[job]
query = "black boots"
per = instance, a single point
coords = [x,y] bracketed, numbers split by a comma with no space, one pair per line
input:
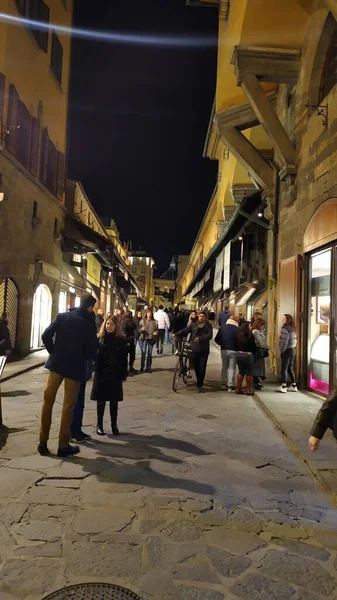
[100,416]
[113,417]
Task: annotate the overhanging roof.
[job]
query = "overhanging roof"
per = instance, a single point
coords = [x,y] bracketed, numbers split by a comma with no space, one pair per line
[249,205]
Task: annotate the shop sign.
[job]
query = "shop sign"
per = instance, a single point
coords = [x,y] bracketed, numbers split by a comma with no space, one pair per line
[226,267]
[217,284]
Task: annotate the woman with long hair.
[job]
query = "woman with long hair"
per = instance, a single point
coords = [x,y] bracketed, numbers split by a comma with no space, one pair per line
[287,345]
[245,358]
[193,318]
[148,328]
[259,370]
[111,371]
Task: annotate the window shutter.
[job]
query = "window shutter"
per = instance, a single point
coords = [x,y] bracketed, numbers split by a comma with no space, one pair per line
[24,135]
[12,120]
[51,168]
[34,148]
[44,156]
[56,59]
[60,175]
[2,95]
[21,6]
[39,11]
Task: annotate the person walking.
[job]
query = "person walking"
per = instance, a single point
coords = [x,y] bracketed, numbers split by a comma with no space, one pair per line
[245,358]
[111,371]
[163,323]
[261,353]
[99,319]
[201,334]
[287,345]
[224,316]
[148,335]
[71,341]
[227,340]
[129,328]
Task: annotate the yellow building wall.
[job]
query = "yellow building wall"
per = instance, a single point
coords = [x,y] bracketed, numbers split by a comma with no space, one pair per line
[20,54]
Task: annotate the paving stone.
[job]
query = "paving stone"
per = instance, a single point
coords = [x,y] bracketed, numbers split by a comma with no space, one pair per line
[303,571]
[285,531]
[303,548]
[50,550]
[52,496]
[192,593]
[41,531]
[246,520]
[237,542]
[182,530]
[160,553]
[105,520]
[148,525]
[14,482]
[29,576]
[35,462]
[198,572]
[327,539]
[257,587]
[12,513]
[216,517]
[227,564]
[154,581]
[115,559]
[61,483]
[45,511]
[312,515]
[5,537]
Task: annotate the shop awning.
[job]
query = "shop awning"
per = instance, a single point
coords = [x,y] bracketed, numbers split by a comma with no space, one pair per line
[249,206]
[71,277]
[245,292]
[260,298]
[49,270]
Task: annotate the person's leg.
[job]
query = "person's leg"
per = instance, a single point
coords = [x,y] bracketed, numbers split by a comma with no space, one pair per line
[113,417]
[231,369]
[284,370]
[249,375]
[241,366]
[225,364]
[132,351]
[291,371]
[100,417]
[71,391]
[149,356]
[76,426]
[196,365]
[202,369]
[162,338]
[142,345]
[54,382]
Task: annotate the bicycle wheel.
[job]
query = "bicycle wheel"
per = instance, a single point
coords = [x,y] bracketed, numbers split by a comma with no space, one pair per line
[185,369]
[177,375]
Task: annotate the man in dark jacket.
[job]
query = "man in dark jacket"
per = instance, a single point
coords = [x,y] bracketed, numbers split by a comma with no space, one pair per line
[71,342]
[99,319]
[129,328]
[201,334]
[224,316]
[227,339]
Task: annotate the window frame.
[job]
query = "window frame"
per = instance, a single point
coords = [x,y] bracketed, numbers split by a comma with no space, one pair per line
[56,57]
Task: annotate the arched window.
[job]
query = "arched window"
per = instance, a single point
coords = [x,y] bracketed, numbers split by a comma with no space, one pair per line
[329,72]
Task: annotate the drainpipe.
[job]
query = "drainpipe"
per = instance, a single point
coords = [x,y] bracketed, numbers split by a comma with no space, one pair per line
[275,227]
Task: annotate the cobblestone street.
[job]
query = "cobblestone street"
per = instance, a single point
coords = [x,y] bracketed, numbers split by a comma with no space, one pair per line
[200,499]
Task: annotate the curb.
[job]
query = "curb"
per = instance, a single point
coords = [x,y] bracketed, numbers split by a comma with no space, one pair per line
[23,371]
[293,447]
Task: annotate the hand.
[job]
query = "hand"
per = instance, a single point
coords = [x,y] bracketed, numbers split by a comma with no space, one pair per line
[155,333]
[313,443]
[196,340]
[173,335]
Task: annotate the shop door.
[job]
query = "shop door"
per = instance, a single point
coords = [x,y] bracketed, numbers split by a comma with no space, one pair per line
[41,316]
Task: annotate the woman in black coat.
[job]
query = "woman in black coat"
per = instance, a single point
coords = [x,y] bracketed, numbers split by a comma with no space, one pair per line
[245,358]
[111,371]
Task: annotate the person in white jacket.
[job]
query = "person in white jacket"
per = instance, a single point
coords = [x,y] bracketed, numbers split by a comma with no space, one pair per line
[163,323]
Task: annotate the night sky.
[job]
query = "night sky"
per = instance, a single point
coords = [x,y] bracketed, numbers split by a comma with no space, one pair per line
[139,117]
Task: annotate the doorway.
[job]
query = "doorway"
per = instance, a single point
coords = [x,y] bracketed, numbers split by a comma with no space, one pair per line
[41,315]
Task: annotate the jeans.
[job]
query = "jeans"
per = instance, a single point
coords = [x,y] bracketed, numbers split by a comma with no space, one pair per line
[287,368]
[71,390]
[245,363]
[76,426]
[167,336]
[199,361]
[228,358]
[160,338]
[131,350]
[146,350]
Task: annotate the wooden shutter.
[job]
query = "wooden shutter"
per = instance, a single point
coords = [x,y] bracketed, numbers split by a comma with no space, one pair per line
[44,156]
[12,120]
[2,95]
[60,175]
[24,135]
[51,168]
[34,147]
[39,11]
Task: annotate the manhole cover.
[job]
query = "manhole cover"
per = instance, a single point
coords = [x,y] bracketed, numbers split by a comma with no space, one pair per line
[93,591]
[207,417]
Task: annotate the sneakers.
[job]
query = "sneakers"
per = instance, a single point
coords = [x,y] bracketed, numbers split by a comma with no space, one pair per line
[80,437]
[68,451]
[231,389]
[293,388]
[43,450]
[283,389]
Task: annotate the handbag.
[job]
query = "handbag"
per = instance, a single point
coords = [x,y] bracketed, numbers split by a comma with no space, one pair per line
[151,341]
[261,352]
[217,338]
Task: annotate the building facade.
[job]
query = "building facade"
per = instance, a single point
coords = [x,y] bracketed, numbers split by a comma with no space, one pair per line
[274,119]
[34,90]
[142,267]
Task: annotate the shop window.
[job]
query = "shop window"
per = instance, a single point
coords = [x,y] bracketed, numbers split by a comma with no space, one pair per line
[63,302]
[41,315]
[319,322]
[56,60]
[37,10]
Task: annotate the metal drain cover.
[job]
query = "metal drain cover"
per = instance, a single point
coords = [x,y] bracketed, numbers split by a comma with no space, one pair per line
[93,591]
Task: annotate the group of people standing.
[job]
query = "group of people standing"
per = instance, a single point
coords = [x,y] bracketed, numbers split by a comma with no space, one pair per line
[244,346]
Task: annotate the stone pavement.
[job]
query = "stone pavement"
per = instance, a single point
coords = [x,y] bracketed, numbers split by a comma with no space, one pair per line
[18,366]
[200,499]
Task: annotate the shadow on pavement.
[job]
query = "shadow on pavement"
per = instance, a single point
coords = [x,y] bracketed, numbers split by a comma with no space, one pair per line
[15,394]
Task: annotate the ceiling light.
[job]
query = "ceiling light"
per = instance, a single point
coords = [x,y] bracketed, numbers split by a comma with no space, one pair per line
[260,214]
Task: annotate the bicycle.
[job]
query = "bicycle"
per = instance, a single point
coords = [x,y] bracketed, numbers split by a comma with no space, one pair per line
[182,369]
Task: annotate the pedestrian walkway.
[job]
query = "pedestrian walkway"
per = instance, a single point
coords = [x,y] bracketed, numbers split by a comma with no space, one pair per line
[199,499]
[14,368]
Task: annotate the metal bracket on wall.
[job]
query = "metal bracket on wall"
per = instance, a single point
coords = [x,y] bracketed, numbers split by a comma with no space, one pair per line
[321,111]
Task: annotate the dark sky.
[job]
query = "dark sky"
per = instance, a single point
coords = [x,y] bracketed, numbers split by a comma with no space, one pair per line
[139,117]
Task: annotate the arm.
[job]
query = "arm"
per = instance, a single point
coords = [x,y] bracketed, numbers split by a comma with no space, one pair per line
[325,416]
[48,335]
[167,321]
[284,339]
[91,343]
[184,332]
